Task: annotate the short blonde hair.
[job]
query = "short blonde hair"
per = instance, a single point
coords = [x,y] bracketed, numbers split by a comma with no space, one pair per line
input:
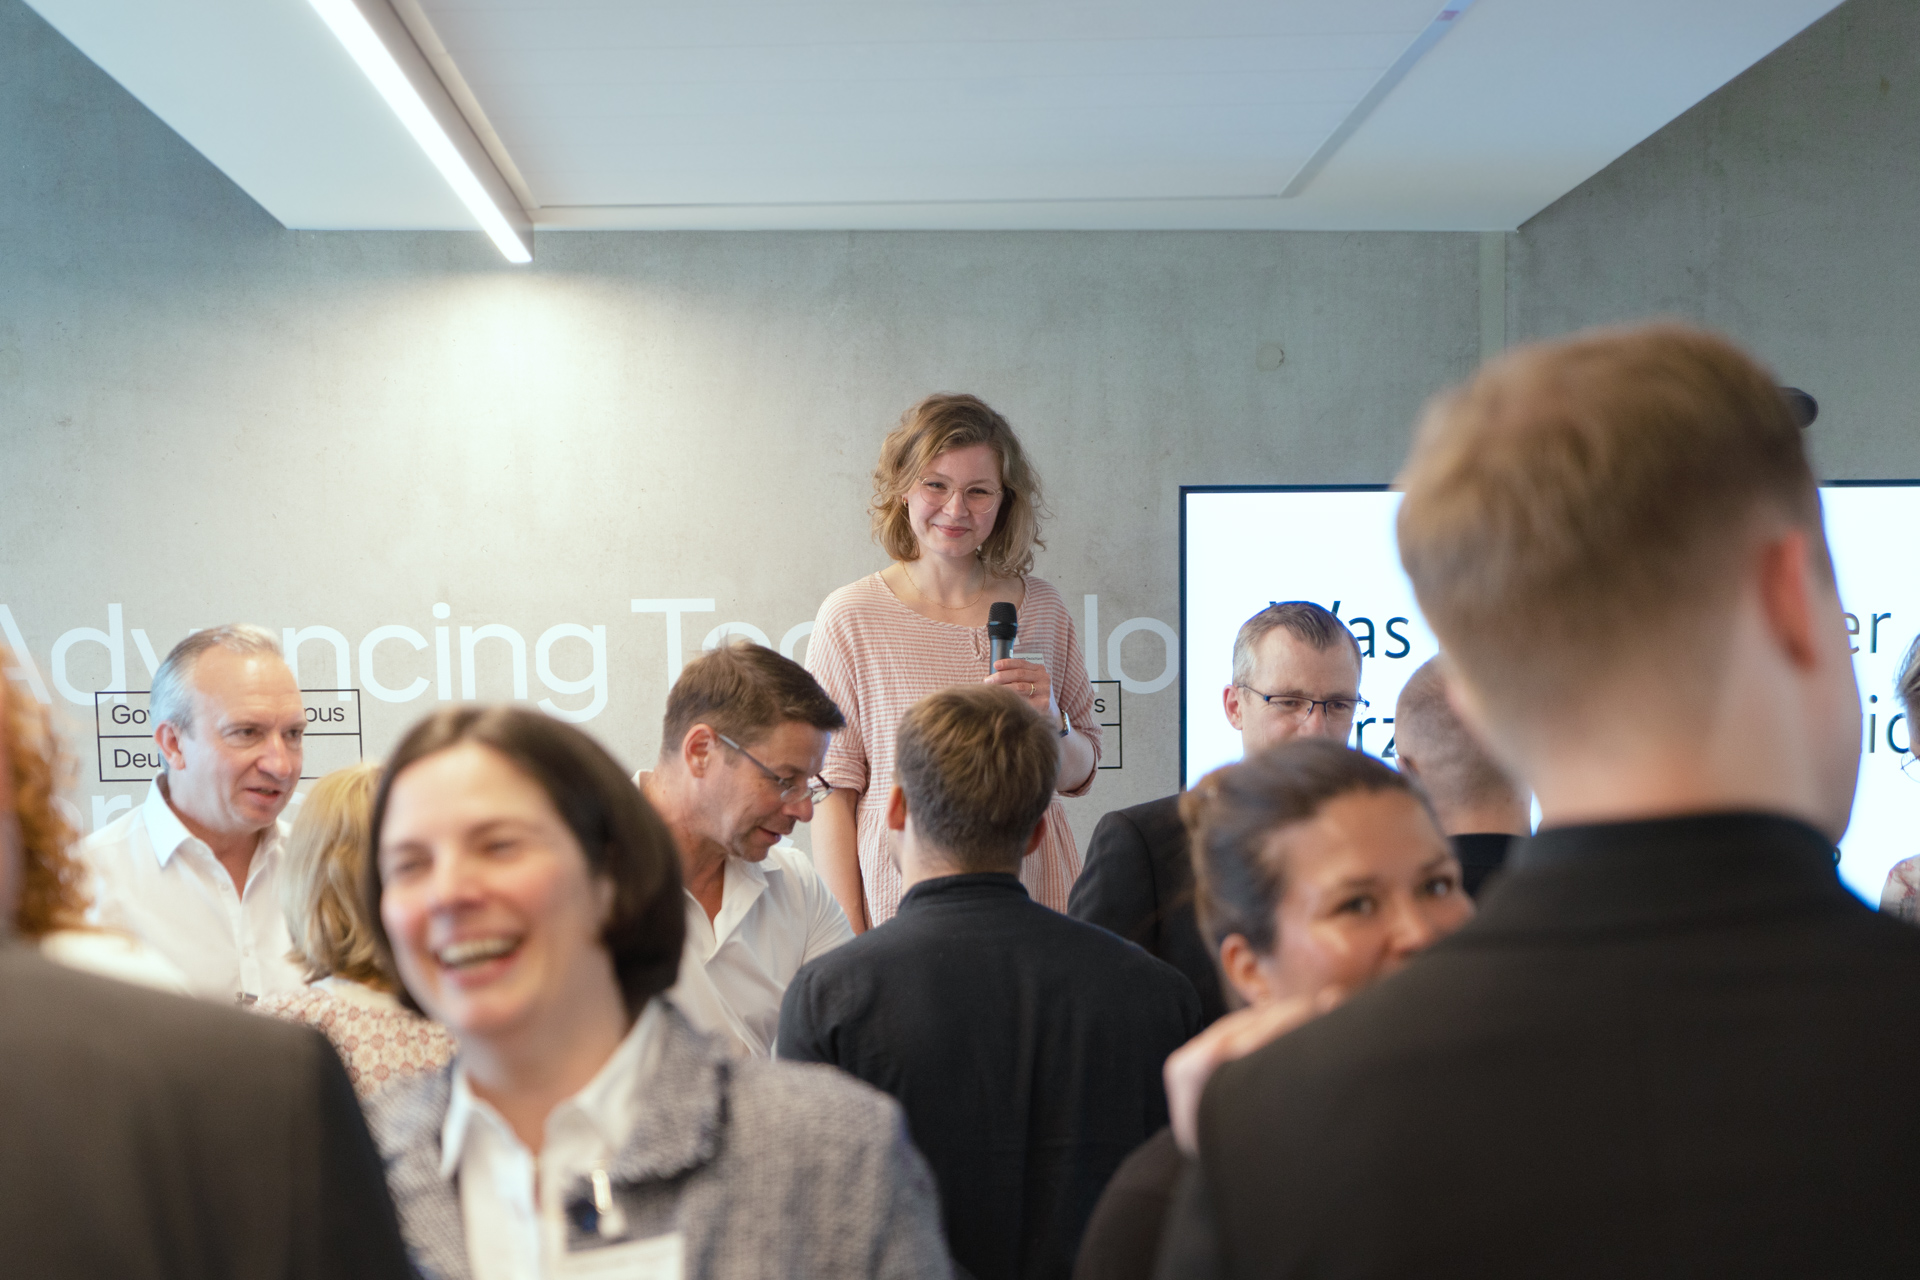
[1579,502]
[936,425]
[320,879]
[978,766]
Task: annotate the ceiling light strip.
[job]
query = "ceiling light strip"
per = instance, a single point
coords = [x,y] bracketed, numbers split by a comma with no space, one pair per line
[1445,22]
[376,61]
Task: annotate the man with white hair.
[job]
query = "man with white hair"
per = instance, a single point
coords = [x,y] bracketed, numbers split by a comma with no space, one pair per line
[191,871]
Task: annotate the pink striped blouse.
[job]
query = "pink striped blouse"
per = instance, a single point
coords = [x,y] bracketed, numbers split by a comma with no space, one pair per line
[876,657]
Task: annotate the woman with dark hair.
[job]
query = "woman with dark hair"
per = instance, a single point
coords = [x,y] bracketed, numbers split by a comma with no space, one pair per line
[957,509]
[528,898]
[1901,895]
[1317,871]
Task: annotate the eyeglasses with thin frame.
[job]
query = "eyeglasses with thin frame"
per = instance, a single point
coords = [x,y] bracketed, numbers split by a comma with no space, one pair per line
[939,493]
[1911,766]
[1299,708]
[816,791]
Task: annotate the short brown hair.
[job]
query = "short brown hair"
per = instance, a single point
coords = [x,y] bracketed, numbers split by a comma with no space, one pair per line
[1303,619]
[53,884]
[744,690]
[1233,813]
[1455,768]
[978,766]
[322,868]
[934,426]
[618,831]
[1578,500]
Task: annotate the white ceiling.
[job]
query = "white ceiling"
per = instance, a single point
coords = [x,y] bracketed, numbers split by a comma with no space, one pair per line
[941,113]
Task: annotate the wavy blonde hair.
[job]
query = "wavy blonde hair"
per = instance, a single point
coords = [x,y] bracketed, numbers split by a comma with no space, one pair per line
[320,883]
[936,425]
[53,884]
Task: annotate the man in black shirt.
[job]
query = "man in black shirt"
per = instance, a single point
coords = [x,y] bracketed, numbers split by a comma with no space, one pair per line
[1026,1047]
[1479,808]
[1296,673]
[1672,1043]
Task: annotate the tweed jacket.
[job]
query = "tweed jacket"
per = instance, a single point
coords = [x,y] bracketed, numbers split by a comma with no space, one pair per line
[766,1169]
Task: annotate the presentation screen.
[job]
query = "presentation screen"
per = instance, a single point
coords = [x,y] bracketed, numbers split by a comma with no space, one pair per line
[1245,547]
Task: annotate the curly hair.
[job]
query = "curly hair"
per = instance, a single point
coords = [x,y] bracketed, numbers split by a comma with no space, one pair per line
[936,425]
[53,893]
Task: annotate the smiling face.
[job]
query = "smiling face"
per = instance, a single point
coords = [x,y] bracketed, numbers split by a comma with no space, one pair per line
[740,806]
[957,526]
[234,770]
[494,917]
[1370,883]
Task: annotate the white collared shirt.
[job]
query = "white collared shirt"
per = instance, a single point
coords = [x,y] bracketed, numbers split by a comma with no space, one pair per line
[513,1203]
[774,916]
[153,879]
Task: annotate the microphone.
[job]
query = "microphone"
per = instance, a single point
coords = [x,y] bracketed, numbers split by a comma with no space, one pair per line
[1003,624]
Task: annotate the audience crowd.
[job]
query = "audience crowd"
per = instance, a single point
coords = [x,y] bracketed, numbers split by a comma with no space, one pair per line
[498,1008]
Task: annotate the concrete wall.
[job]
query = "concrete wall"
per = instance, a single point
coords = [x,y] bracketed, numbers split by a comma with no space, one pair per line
[1785,210]
[204,416]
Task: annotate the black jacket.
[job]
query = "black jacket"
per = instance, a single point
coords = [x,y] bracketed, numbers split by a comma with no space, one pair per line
[1025,1047]
[146,1135]
[1138,883]
[1675,1048]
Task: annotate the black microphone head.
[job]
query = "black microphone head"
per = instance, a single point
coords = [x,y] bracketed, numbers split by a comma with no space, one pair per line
[1003,620]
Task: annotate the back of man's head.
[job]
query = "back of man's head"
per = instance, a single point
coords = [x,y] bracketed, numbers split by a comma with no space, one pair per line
[1453,768]
[978,767]
[1581,510]
[745,691]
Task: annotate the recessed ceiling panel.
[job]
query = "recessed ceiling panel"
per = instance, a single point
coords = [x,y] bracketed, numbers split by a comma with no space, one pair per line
[883,101]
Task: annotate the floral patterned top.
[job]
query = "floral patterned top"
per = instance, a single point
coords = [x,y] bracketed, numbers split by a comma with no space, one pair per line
[1901,896]
[379,1041]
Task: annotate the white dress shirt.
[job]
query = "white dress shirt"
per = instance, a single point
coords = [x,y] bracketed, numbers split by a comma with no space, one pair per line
[153,879]
[774,917]
[512,1202]
[119,956]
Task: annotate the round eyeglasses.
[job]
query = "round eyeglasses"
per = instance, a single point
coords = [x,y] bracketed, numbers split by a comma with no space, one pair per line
[938,493]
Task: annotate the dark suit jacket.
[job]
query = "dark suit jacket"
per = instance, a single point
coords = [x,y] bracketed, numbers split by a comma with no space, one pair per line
[1482,856]
[1675,1048]
[1025,1047]
[1138,883]
[147,1135]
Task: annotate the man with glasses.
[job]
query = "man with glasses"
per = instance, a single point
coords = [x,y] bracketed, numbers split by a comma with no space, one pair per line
[745,735]
[1296,673]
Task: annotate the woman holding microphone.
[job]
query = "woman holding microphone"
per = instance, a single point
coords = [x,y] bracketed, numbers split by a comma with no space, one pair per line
[957,507]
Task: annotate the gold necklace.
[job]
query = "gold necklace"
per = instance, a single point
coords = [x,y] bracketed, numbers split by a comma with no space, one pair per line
[950,608]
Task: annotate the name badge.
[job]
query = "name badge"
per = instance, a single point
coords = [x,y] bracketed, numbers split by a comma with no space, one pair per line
[656,1258]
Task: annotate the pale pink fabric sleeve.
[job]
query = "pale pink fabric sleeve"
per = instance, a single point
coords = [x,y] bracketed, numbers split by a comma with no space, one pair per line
[830,661]
[1067,667]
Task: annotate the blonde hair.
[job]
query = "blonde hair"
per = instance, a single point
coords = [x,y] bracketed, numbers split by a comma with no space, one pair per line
[936,425]
[978,766]
[320,881]
[1579,504]
[53,885]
